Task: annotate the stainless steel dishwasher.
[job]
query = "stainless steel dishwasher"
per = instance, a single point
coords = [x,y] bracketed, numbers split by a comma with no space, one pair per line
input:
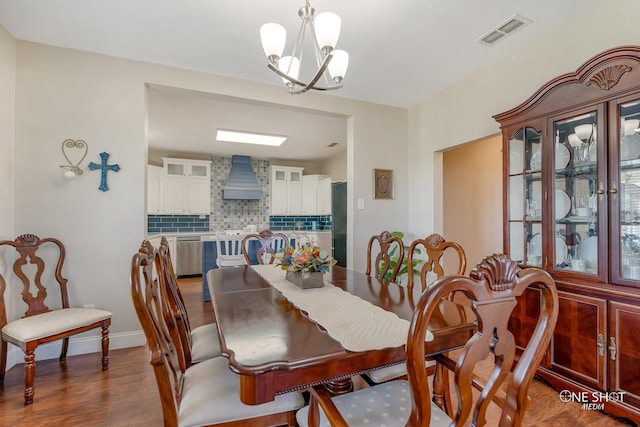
[189,257]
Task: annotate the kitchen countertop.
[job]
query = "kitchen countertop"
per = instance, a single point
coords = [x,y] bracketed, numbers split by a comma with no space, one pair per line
[211,234]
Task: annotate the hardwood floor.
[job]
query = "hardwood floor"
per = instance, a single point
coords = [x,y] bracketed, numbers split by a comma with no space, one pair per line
[79,393]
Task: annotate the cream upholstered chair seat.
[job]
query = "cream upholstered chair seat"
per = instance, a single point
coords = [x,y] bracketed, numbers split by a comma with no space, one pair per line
[210,396]
[204,343]
[52,323]
[386,404]
[389,373]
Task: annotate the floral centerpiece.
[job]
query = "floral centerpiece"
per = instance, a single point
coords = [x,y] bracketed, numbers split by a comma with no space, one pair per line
[305,264]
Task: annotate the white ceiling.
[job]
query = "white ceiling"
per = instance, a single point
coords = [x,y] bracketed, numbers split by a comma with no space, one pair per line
[400,52]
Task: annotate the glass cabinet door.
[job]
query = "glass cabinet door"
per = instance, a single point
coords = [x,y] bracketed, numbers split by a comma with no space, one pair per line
[628,193]
[525,206]
[575,194]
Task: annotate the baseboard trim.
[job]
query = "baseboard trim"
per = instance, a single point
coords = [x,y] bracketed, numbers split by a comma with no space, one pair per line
[77,345]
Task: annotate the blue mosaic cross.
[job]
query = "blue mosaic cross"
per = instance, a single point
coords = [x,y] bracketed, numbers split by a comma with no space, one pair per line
[104,167]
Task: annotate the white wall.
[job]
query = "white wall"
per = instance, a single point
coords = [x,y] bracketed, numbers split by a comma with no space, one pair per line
[7,116]
[336,167]
[63,93]
[464,112]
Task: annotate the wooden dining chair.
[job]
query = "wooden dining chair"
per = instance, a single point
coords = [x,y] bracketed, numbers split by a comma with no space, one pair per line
[493,286]
[387,261]
[229,247]
[40,323]
[205,393]
[270,244]
[199,343]
[435,247]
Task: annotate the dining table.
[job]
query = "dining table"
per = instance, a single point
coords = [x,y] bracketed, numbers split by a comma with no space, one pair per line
[280,338]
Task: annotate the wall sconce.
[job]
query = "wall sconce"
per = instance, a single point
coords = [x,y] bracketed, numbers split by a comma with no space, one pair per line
[72,170]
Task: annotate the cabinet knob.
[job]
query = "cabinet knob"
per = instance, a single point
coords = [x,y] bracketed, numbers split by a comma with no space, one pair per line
[614,188]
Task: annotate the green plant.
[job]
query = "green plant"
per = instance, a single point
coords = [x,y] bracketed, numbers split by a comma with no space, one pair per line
[393,260]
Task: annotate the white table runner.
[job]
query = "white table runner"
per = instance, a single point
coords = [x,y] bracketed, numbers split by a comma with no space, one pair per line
[357,324]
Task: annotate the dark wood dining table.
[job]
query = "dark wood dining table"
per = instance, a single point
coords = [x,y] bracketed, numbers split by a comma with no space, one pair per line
[275,348]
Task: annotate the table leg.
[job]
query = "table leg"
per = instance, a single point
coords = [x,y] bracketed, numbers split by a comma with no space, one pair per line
[441,390]
[337,387]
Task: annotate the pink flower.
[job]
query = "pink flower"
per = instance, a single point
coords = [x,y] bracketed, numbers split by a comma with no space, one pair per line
[303,258]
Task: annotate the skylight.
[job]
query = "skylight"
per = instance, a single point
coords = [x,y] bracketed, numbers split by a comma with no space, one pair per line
[249,137]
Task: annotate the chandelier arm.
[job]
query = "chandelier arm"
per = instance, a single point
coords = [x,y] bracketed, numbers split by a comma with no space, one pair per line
[285,75]
[323,88]
[319,74]
[319,51]
[298,82]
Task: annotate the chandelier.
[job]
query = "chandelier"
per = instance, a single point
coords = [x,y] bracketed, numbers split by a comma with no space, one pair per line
[325,30]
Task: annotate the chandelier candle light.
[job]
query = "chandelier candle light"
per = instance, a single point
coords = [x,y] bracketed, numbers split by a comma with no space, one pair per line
[325,30]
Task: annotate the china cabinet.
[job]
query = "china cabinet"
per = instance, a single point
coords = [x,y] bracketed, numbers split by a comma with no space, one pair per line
[286,190]
[571,161]
[186,186]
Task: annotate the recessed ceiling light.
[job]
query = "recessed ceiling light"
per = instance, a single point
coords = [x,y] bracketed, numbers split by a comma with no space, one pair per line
[249,137]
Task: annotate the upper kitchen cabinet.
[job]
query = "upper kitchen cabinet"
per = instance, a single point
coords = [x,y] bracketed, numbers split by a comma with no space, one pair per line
[324,196]
[154,189]
[316,195]
[571,156]
[286,190]
[186,186]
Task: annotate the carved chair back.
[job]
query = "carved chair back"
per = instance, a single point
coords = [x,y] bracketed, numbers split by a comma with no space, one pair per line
[385,260]
[435,247]
[34,291]
[175,302]
[493,286]
[270,244]
[160,328]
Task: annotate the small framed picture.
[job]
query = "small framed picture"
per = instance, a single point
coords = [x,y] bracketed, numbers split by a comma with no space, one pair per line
[383,183]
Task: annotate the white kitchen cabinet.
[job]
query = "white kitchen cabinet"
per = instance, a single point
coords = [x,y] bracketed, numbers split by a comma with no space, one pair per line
[324,196]
[154,192]
[186,186]
[286,190]
[316,195]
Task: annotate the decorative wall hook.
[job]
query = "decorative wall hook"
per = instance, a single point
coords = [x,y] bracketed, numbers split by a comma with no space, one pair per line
[104,167]
[72,169]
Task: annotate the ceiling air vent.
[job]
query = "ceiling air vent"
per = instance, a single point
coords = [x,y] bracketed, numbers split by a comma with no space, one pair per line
[504,29]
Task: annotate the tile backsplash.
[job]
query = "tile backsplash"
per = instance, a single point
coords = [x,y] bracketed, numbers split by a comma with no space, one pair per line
[177,223]
[306,222]
[235,214]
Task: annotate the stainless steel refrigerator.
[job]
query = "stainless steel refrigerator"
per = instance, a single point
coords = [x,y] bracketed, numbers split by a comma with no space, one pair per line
[339,221]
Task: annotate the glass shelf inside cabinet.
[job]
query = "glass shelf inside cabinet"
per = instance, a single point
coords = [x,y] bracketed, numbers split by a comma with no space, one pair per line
[629,191]
[525,197]
[575,203]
